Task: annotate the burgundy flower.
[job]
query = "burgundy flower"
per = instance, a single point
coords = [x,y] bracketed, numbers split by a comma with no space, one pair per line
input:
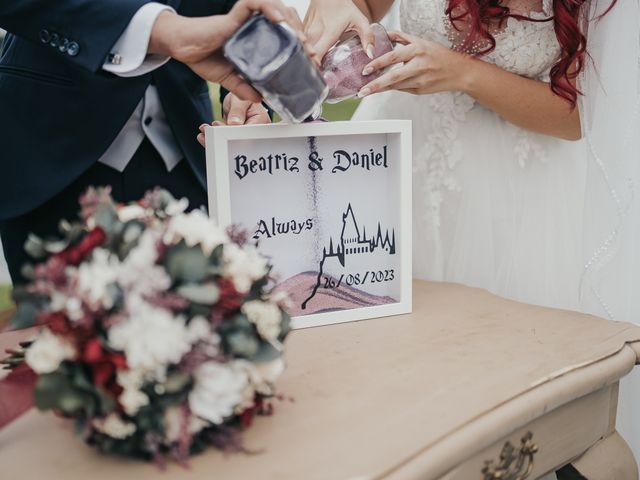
[230,299]
[103,365]
[75,254]
[59,324]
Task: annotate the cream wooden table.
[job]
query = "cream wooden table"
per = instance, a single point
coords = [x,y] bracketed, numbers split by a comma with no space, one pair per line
[432,395]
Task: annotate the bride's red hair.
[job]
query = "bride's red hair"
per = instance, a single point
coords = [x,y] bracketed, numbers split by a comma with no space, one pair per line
[479,14]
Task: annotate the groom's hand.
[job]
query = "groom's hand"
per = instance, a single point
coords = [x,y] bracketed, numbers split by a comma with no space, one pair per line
[197,41]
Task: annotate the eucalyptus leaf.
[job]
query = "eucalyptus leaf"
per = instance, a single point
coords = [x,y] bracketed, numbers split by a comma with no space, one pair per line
[25,315]
[204,294]
[106,217]
[34,246]
[106,402]
[185,264]
[49,390]
[285,326]
[72,401]
[176,382]
[265,353]
[242,344]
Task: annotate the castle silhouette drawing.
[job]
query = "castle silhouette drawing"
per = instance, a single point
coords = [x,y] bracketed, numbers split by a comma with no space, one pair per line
[353,241]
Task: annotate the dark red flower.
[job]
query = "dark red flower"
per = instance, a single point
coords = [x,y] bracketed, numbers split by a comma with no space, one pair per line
[103,365]
[230,299]
[260,407]
[75,254]
[78,333]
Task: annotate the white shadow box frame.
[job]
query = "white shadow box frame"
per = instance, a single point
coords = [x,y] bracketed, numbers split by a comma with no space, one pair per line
[291,186]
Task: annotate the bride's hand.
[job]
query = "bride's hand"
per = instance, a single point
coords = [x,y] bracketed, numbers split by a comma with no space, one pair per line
[238,112]
[428,67]
[327,20]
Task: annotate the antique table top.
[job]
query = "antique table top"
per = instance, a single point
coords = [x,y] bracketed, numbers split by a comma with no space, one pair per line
[382,398]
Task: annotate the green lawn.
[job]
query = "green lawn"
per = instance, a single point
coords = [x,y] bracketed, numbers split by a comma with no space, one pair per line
[340,111]
[5,297]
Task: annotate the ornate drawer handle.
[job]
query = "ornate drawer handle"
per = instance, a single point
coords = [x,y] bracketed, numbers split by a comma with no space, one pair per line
[515,463]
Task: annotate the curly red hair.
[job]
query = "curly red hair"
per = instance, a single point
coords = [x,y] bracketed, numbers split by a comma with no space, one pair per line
[479,14]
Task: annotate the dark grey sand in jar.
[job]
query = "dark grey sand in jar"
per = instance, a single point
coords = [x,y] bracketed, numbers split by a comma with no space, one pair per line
[273,60]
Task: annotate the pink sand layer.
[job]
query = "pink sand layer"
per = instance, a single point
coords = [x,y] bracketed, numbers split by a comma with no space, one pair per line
[300,286]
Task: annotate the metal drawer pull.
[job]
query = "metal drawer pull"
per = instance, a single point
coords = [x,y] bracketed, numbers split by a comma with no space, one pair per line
[514,463]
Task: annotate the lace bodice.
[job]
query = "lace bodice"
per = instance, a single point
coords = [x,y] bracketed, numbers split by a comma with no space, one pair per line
[523,47]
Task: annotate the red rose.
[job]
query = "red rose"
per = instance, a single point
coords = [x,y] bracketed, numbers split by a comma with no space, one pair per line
[103,365]
[75,254]
[230,299]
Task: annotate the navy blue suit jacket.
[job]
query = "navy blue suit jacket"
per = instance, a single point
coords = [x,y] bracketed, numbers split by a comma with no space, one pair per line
[59,111]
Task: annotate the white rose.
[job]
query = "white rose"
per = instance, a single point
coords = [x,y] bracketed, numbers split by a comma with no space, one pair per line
[195,228]
[152,338]
[48,351]
[113,426]
[130,212]
[266,316]
[263,375]
[139,272]
[199,329]
[132,398]
[218,389]
[96,276]
[174,419]
[244,266]
[177,206]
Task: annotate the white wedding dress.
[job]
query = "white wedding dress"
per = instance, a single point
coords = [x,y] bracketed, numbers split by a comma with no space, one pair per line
[495,206]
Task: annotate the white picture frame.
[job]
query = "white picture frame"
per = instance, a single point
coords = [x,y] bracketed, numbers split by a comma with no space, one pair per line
[397,135]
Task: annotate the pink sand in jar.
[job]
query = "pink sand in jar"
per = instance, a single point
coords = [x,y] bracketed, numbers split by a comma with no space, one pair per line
[342,66]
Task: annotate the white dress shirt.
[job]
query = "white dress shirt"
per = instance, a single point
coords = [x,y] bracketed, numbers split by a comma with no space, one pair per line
[129,58]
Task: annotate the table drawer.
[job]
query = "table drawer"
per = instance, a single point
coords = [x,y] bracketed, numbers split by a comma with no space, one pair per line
[562,434]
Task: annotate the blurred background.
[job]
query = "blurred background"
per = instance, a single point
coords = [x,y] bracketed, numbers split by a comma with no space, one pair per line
[341,111]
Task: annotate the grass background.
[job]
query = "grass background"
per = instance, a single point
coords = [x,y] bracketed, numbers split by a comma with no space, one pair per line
[340,111]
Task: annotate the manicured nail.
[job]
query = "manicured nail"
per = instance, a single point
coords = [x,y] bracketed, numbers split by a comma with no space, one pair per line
[364,92]
[367,71]
[235,120]
[370,51]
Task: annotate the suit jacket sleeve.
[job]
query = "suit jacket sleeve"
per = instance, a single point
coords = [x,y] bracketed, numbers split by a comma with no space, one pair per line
[82,31]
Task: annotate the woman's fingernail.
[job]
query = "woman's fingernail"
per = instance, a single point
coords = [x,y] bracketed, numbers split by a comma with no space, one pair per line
[235,120]
[370,51]
[367,71]
[364,92]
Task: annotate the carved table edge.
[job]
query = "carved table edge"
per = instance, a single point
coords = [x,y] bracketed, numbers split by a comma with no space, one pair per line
[435,460]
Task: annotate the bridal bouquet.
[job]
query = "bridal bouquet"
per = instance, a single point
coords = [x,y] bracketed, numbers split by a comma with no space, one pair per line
[158,336]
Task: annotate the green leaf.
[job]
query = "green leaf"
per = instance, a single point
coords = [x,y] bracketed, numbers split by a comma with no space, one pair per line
[73,401]
[204,294]
[186,264]
[25,315]
[242,344]
[49,390]
[265,353]
[34,246]
[106,217]
[176,382]
[285,326]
